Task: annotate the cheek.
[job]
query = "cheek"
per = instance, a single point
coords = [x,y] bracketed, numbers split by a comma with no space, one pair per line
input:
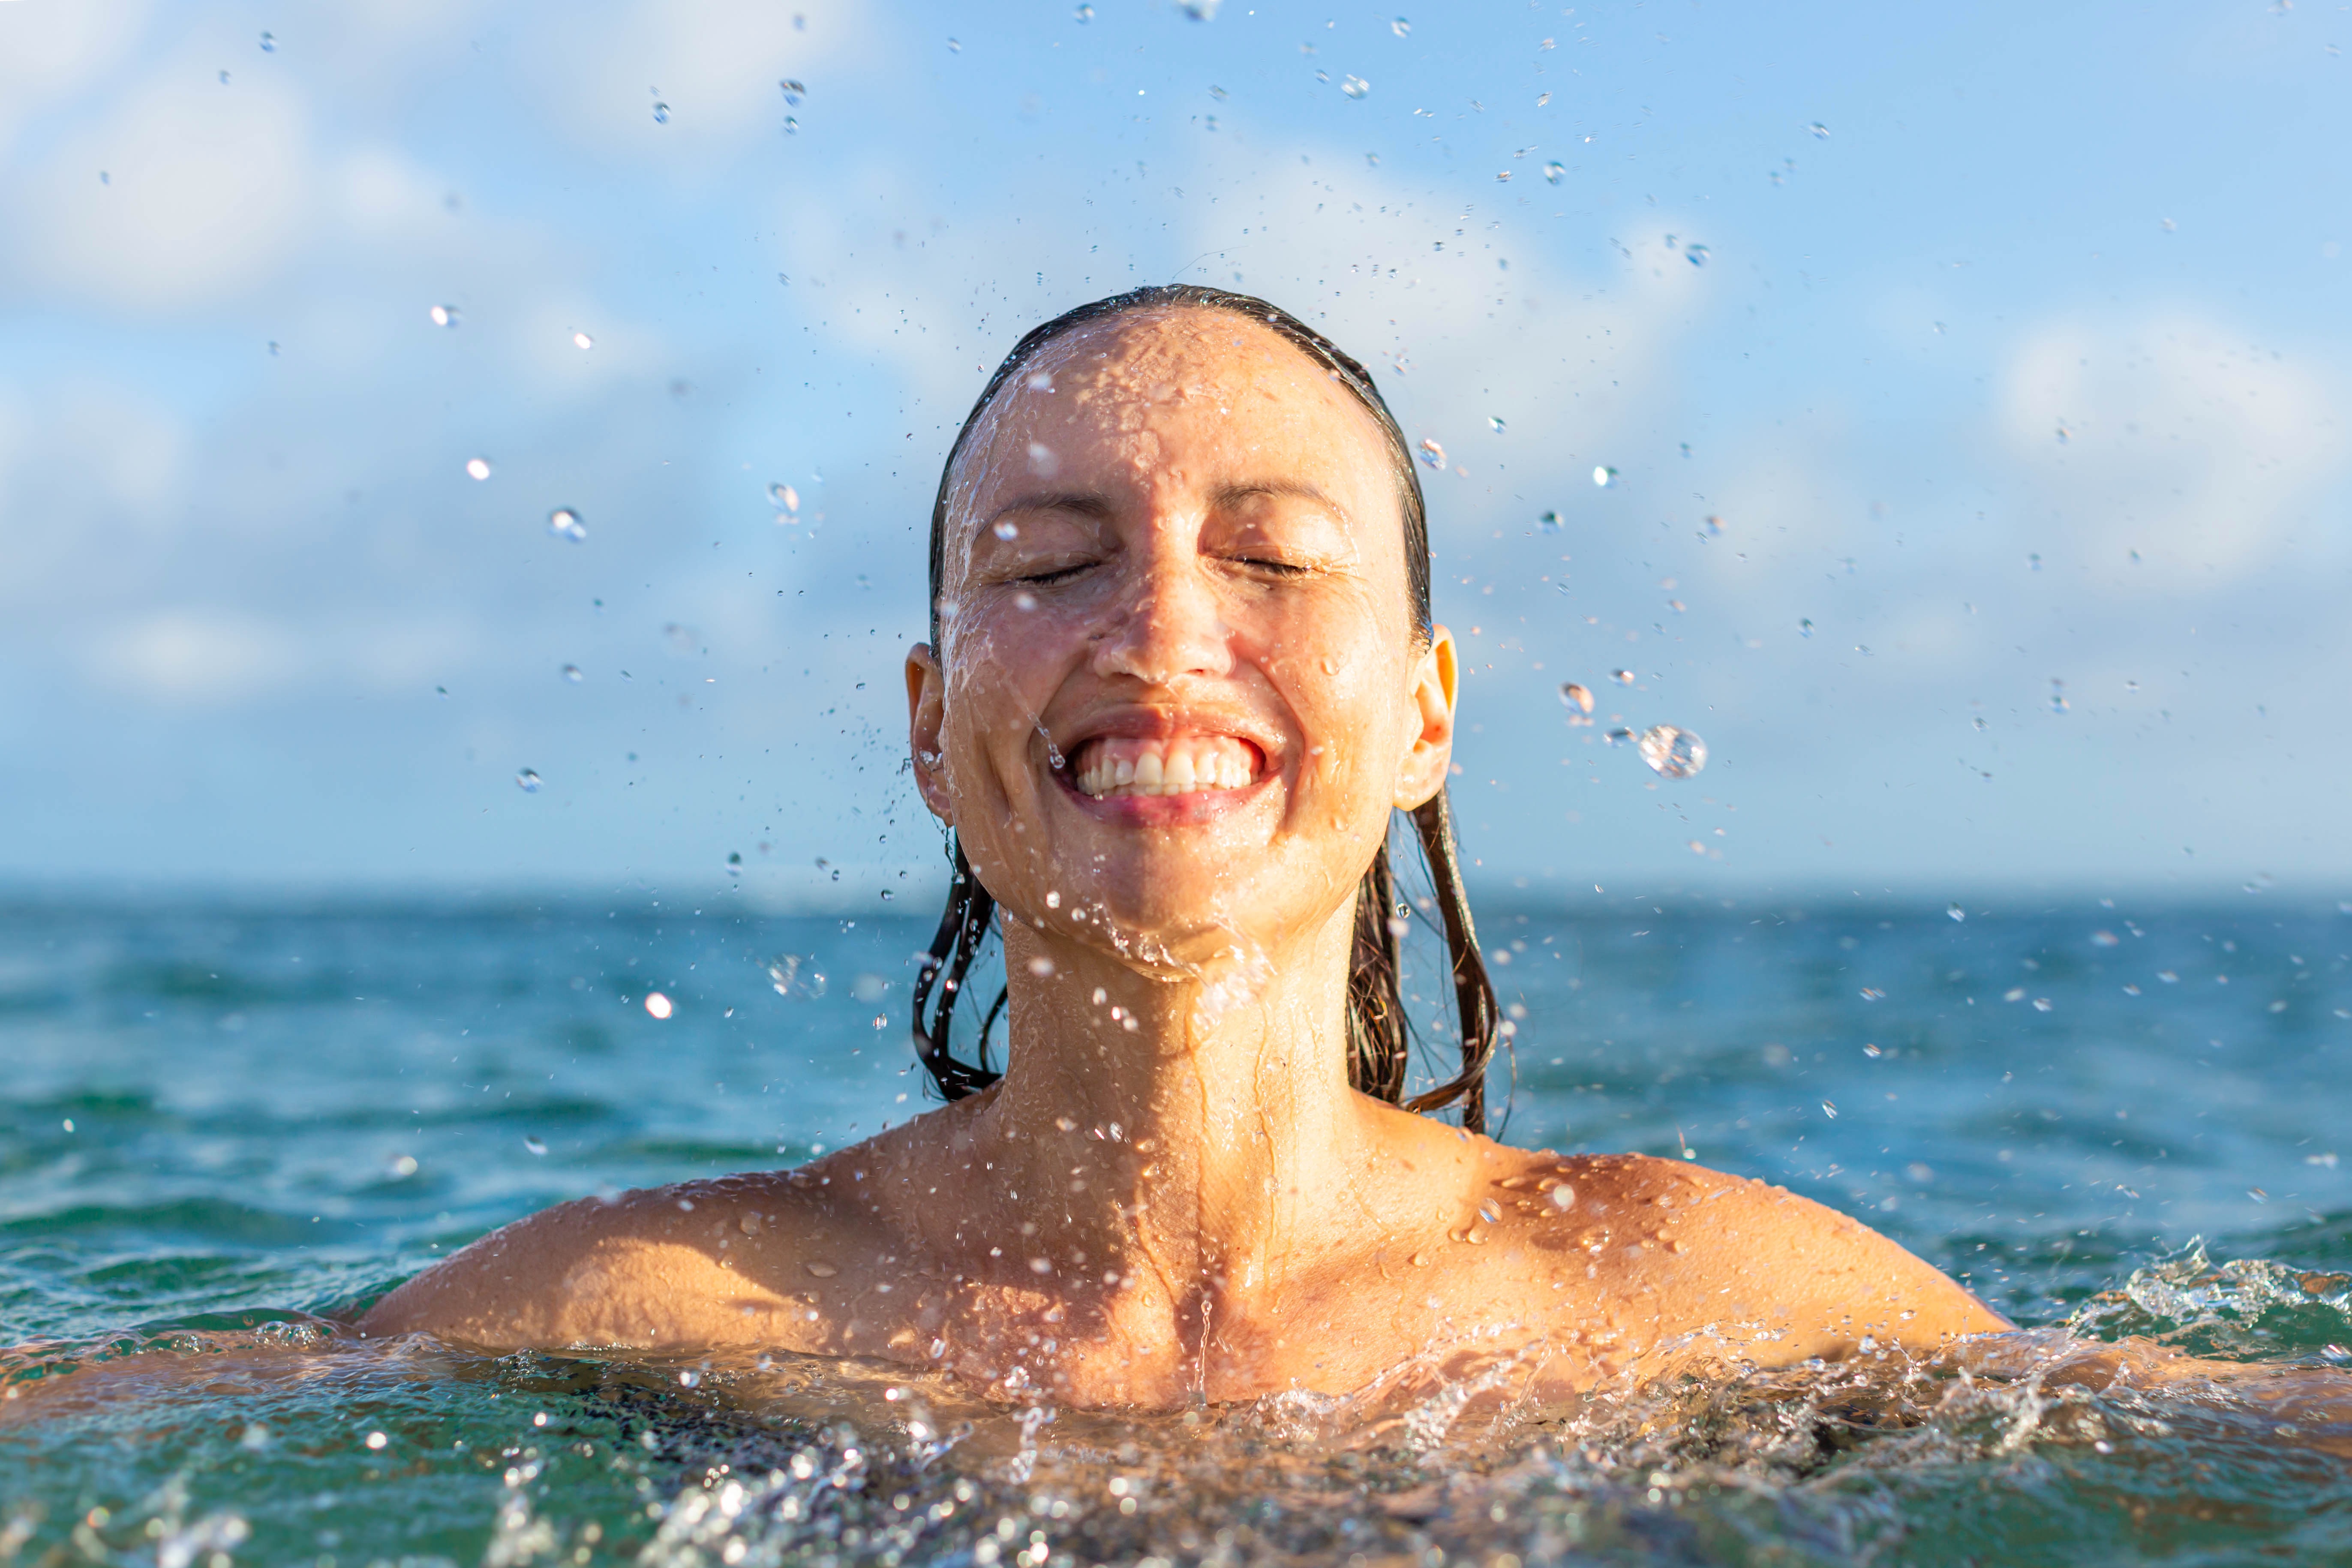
[1005,665]
[1343,677]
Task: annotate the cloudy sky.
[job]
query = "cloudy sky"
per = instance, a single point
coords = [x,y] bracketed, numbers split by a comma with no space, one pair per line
[2007,352]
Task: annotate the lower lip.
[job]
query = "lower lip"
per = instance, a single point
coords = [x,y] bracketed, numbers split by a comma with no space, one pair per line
[1164,810]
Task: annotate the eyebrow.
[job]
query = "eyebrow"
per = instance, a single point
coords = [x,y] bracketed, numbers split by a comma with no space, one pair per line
[1084,503]
[1296,489]
[1094,504]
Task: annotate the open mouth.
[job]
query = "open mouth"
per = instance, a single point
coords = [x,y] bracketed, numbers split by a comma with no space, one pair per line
[1115,767]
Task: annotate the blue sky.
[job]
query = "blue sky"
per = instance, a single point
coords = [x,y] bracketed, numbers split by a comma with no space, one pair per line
[2007,348]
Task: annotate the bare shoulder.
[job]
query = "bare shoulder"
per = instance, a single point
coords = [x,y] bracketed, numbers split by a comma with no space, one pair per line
[1674,1249]
[701,1263]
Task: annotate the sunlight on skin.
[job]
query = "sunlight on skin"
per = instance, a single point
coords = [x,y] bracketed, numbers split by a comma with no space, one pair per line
[1174,535]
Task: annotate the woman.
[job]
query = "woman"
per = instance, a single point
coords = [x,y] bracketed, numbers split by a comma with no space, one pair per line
[1183,673]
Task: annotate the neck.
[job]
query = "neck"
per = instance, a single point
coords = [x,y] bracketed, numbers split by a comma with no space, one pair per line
[1189,1130]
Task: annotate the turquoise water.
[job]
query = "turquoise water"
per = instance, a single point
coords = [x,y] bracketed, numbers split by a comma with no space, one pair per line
[220,1125]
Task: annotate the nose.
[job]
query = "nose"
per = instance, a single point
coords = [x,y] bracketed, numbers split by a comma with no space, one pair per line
[1168,621]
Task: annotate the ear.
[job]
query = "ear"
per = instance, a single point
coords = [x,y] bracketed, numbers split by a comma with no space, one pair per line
[927,690]
[1422,772]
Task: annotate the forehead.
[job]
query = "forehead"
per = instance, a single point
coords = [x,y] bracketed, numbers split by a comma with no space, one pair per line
[1206,374]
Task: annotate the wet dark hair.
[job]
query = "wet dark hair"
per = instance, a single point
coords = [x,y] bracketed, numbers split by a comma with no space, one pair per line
[1380,1035]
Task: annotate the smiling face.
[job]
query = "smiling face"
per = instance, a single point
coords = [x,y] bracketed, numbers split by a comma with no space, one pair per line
[1181,686]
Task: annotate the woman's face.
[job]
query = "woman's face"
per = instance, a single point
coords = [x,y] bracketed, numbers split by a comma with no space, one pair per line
[1180,687]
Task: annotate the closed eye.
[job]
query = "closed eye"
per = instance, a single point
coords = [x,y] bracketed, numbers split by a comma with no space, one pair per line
[1055,575]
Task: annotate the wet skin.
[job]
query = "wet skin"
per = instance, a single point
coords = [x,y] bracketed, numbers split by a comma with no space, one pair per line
[1175,552]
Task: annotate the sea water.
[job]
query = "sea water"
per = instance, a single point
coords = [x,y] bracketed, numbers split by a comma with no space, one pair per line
[221,1125]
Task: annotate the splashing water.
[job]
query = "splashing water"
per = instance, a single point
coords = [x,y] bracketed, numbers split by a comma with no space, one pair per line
[1604,476]
[564,524]
[528,781]
[1433,454]
[796,977]
[1354,86]
[1672,754]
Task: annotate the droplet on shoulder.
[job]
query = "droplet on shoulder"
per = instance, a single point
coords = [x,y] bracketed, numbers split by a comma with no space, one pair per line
[1564,1197]
[821,1270]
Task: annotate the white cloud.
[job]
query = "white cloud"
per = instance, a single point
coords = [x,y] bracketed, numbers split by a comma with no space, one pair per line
[88,473]
[2170,437]
[205,184]
[195,656]
[50,49]
[715,64]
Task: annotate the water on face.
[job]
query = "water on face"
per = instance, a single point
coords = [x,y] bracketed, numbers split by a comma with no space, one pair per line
[219,1123]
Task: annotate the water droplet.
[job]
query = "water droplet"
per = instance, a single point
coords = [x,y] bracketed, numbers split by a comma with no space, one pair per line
[1829,1108]
[1574,696]
[1714,525]
[1562,1197]
[1024,600]
[1820,129]
[1957,912]
[1494,423]
[1401,27]
[1433,454]
[661,114]
[1354,86]
[658,1005]
[1042,461]
[1696,255]
[796,977]
[1084,14]
[534,1143]
[270,47]
[443,315]
[1399,926]
[1555,172]
[564,524]
[1672,754]
[791,127]
[689,1378]
[1550,521]
[528,781]
[374,1439]
[400,1167]
[954,47]
[224,79]
[784,497]
[2057,695]
[1618,736]
[582,340]
[821,1270]
[1621,676]
[1603,477]
[1040,381]
[2033,562]
[793,92]
[571,673]
[478,468]
[1804,628]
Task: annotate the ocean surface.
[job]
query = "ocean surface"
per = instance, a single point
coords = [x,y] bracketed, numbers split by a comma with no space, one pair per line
[221,1124]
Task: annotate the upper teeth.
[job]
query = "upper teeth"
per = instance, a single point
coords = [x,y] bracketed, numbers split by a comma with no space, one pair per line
[1138,767]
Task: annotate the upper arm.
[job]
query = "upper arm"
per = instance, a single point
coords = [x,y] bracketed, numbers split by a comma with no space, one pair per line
[640,1270]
